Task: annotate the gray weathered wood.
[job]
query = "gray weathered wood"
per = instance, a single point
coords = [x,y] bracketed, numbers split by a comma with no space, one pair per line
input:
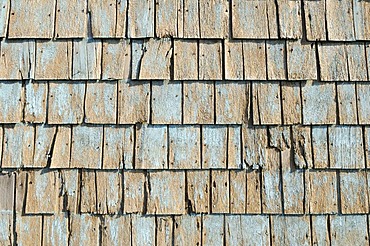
[18,59]
[253,204]
[347,230]
[62,148]
[279,138]
[254,146]
[237,193]
[87,59]
[289,230]
[354,193]
[53,60]
[210,60]
[134,189]
[320,146]
[166,192]
[302,146]
[363,102]
[187,230]
[346,148]
[321,192]
[198,190]
[185,59]
[220,191]
[213,230]
[361,15]
[234,148]
[367,144]
[65,103]
[214,18]
[198,103]
[100,102]
[276,59]
[164,230]
[347,103]
[214,147]
[266,103]
[4,14]
[184,147]
[20,192]
[88,192]
[166,105]
[7,188]
[87,145]
[6,228]
[319,103]
[84,229]
[55,230]
[116,230]
[320,230]
[29,230]
[143,230]
[292,104]
[254,54]
[116,59]
[11,101]
[315,20]
[69,191]
[114,147]
[35,102]
[70,19]
[301,60]
[232,102]
[169,17]
[133,102]
[109,192]
[191,28]
[234,67]
[151,147]
[333,62]
[140,19]
[339,19]
[30,19]
[103,18]
[44,137]
[356,59]
[290,24]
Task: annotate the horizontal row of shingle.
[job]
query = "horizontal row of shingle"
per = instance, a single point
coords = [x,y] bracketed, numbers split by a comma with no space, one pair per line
[183,147]
[278,191]
[165,59]
[207,230]
[158,102]
[323,20]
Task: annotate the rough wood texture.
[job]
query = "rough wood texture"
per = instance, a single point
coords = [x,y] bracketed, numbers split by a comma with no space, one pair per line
[133,102]
[87,145]
[213,230]
[109,192]
[333,62]
[354,193]
[356,60]
[363,100]
[6,228]
[319,103]
[29,230]
[282,229]
[214,147]
[53,60]
[315,20]
[100,103]
[11,101]
[345,230]
[220,191]
[62,148]
[134,189]
[302,146]
[198,103]
[184,147]
[185,49]
[87,57]
[112,52]
[198,191]
[210,60]
[280,139]
[339,18]
[17,59]
[301,60]
[254,153]
[361,15]
[166,192]
[151,147]
[320,147]
[88,191]
[188,230]
[116,230]
[234,148]
[292,103]
[238,192]
[253,204]
[7,186]
[169,18]
[166,104]
[4,13]
[346,148]
[164,230]
[234,69]
[276,59]
[232,102]
[70,19]
[35,102]
[266,103]
[320,230]
[103,18]
[254,54]
[30,19]
[84,229]
[69,191]
[55,230]
[290,25]
[140,19]
[321,192]
[347,103]
[143,230]
[44,137]
[213,18]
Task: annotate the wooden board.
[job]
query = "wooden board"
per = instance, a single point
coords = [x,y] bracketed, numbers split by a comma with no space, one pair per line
[84,229]
[320,230]
[134,184]
[238,192]
[333,62]
[210,60]
[114,144]
[109,192]
[164,230]
[276,60]
[62,148]
[101,102]
[191,28]
[213,230]
[344,230]
[232,102]
[166,192]
[87,145]
[214,147]
[254,54]
[35,102]
[166,104]
[347,103]
[184,147]
[220,192]
[28,230]
[282,228]
[143,230]
[44,137]
[151,147]
[113,51]
[70,19]
[234,148]
[30,19]
[168,18]
[266,103]
[116,230]
[11,101]
[254,143]
[292,104]
[213,18]
[302,146]
[65,103]
[363,100]
[185,59]
[87,59]
[53,60]
[319,93]
[321,192]
[103,18]
[198,103]
[188,230]
[198,191]
[354,193]
[346,148]
[361,15]
[356,59]
[88,191]
[254,203]
[315,20]
[290,24]
[301,60]
[55,229]
[18,59]
[7,188]
[234,67]
[339,20]
[140,19]
[320,146]
[69,191]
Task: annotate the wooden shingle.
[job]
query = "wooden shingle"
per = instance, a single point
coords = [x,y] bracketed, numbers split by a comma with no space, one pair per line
[315,20]
[29,230]
[290,25]
[282,228]
[276,60]
[320,230]
[254,202]
[361,15]
[116,59]
[347,103]
[238,192]
[44,137]
[339,19]
[87,59]
[11,101]
[185,59]
[292,103]
[4,14]
[234,66]
[354,195]
[302,146]
[188,230]
[112,225]
[140,19]
[345,230]
[84,229]
[220,192]
[134,189]
[70,19]
[301,60]
[198,190]
[55,229]
[210,60]
[254,146]
[143,230]
[35,102]
[234,148]
[254,54]
[6,227]
[363,102]
[320,146]
[109,192]
[169,18]
[69,191]
[88,191]
[213,18]
[333,62]
[191,28]
[356,60]
[164,230]
[7,188]
[214,147]
[62,148]
[213,230]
